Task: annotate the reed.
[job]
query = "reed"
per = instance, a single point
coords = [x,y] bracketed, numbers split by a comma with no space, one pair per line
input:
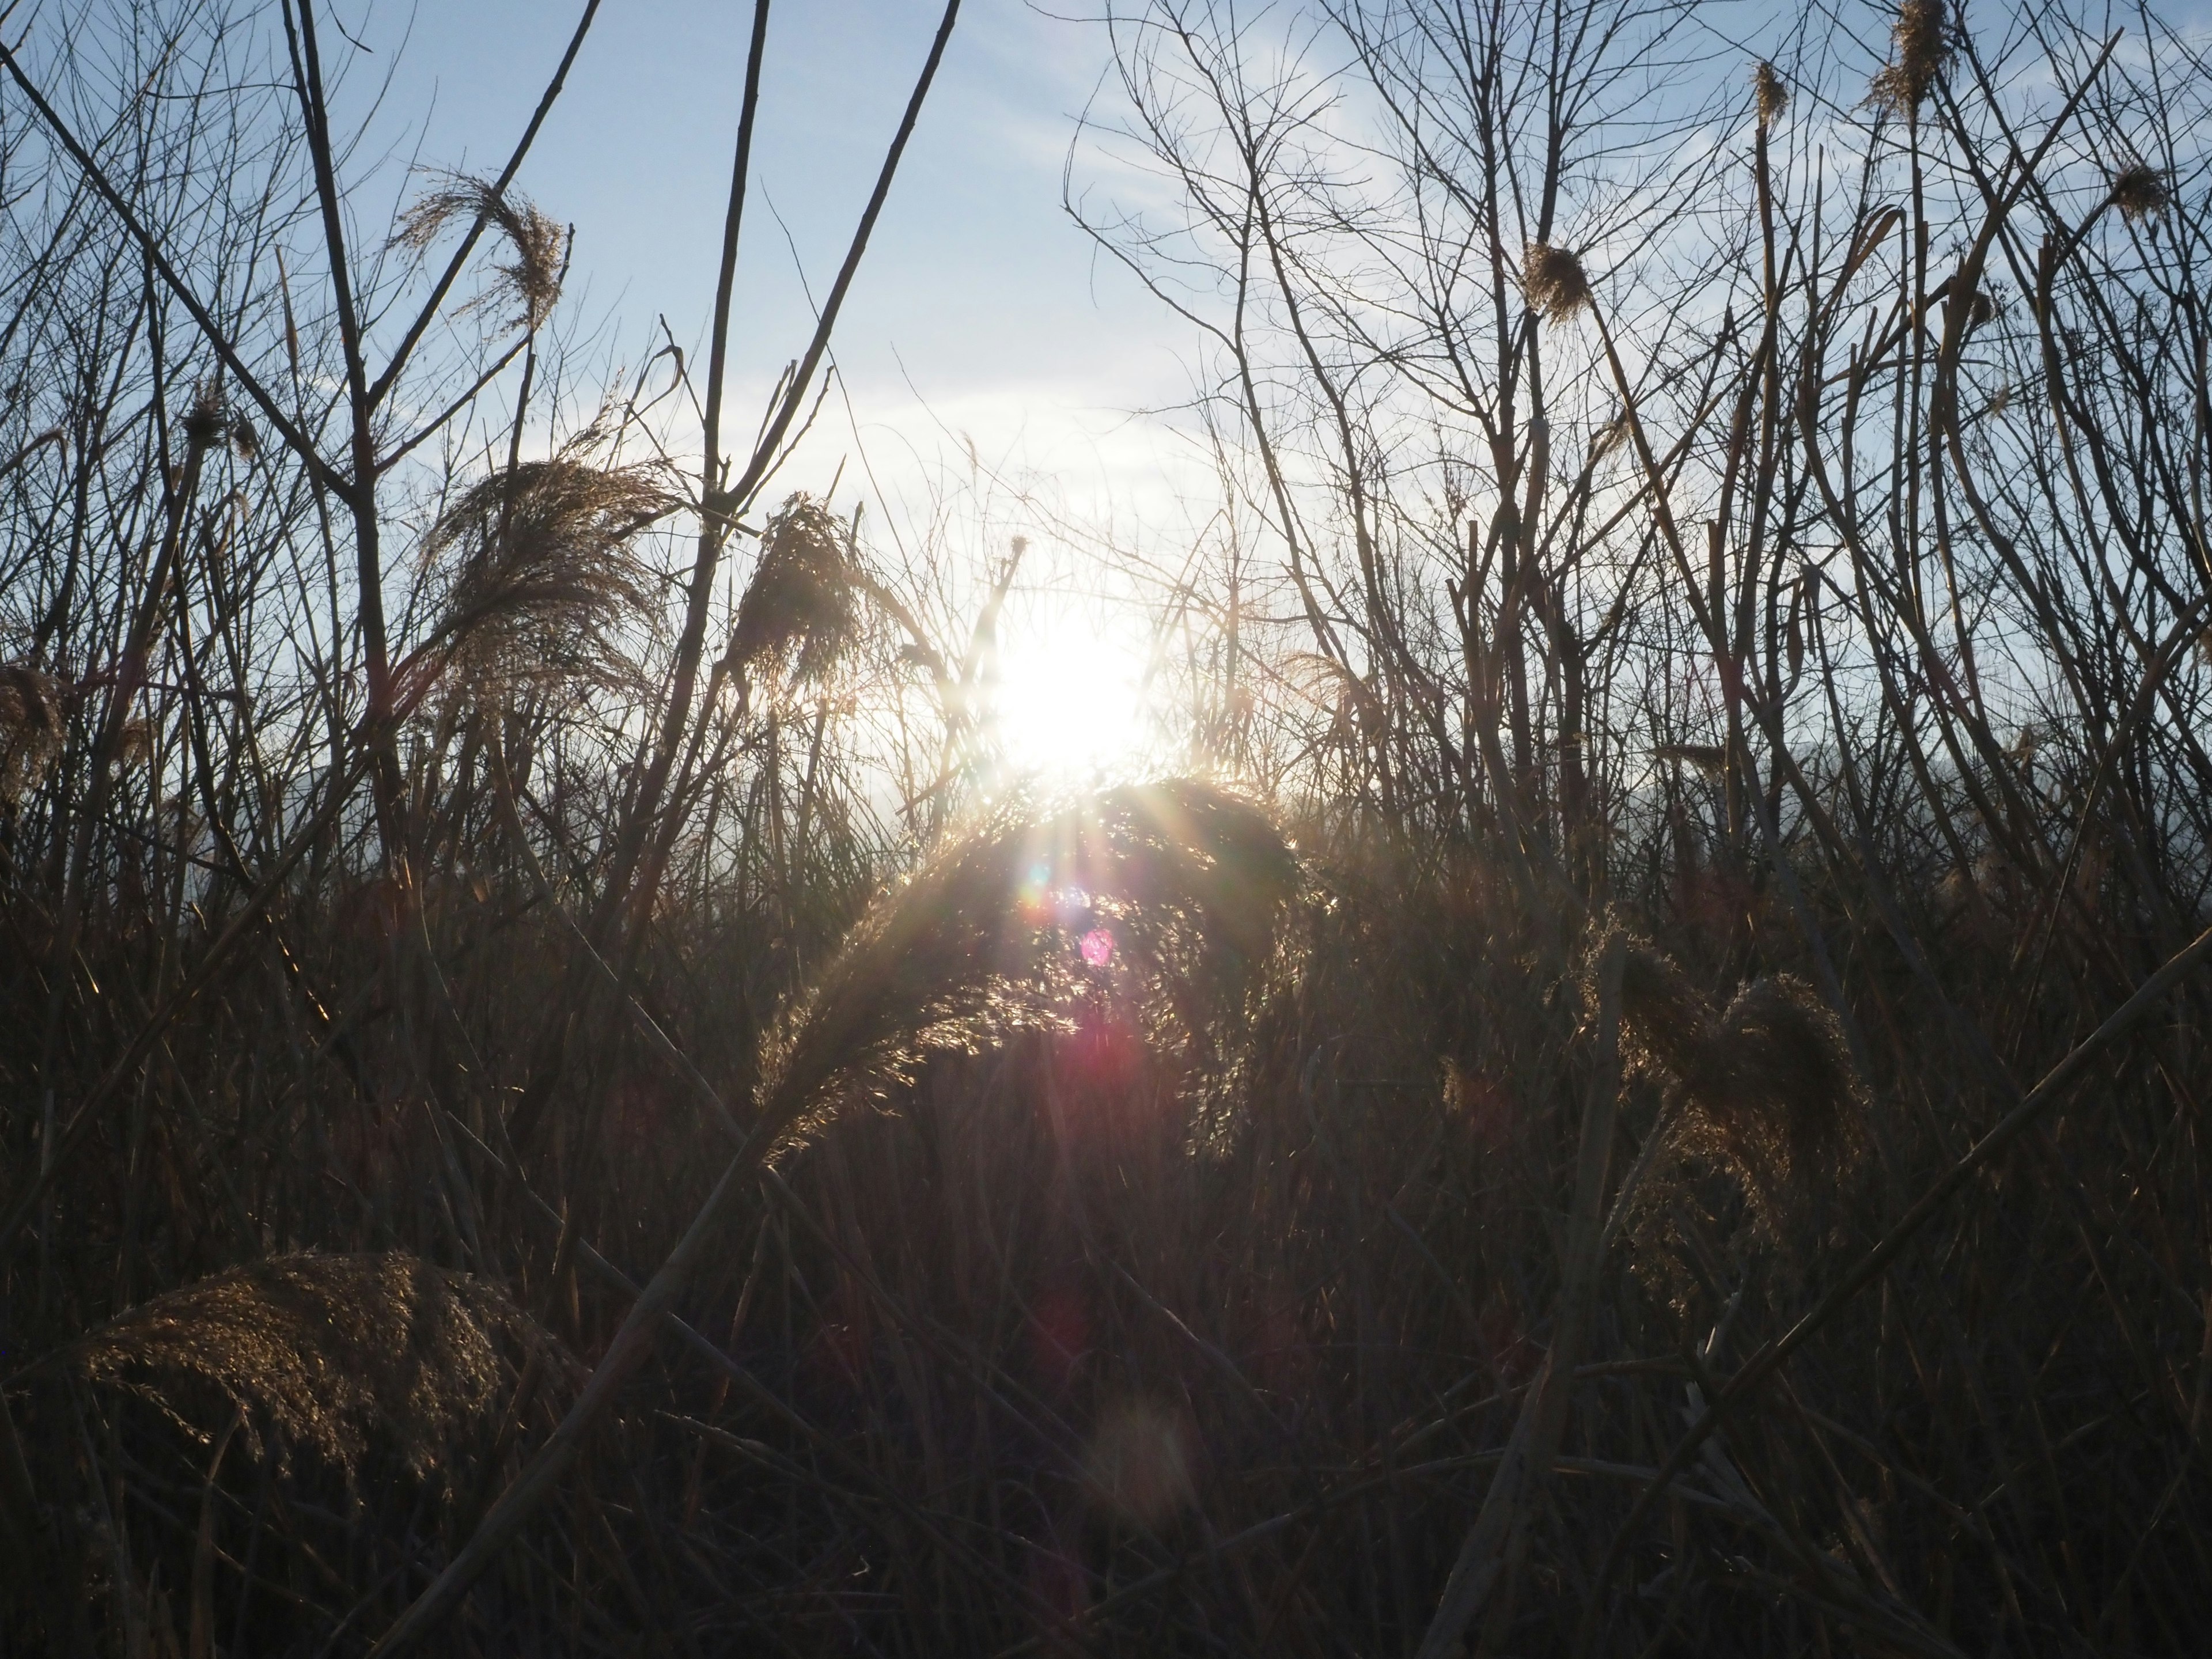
[556,1098]
[331,1352]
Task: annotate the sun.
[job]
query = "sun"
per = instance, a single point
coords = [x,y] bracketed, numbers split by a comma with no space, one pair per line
[1071,704]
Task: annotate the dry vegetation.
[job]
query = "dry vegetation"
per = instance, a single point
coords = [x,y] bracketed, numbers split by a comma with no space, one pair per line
[553,1103]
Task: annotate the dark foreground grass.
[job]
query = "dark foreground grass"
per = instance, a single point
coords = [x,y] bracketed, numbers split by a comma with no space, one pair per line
[1201,1322]
[1646,1098]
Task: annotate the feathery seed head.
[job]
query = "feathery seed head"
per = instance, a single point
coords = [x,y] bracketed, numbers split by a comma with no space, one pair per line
[538,571]
[802,607]
[1554,281]
[1764,1089]
[335,1353]
[31,728]
[1667,1022]
[1769,93]
[2141,191]
[1777,1095]
[207,421]
[1189,883]
[532,281]
[1923,39]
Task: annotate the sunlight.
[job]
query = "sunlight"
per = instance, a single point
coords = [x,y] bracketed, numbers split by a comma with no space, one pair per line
[1070,702]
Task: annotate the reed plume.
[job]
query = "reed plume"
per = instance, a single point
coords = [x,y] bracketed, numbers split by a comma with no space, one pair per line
[977,944]
[135,743]
[802,607]
[1667,1022]
[207,423]
[336,1352]
[532,280]
[1764,1088]
[538,570]
[1554,281]
[1922,49]
[2141,191]
[31,729]
[1768,93]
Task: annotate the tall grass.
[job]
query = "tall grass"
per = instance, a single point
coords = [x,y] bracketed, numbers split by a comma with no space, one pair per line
[1643,1095]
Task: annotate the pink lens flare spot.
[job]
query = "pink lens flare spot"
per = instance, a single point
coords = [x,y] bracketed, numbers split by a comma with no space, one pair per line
[1098,947]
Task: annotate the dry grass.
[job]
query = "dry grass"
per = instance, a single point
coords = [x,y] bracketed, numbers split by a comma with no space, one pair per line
[1554,283]
[1922,38]
[336,1353]
[538,573]
[1178,1191]
[532,281]
[31,729]
[802,608]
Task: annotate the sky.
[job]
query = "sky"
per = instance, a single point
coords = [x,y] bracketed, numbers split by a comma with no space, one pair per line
[982,312]
[984,321]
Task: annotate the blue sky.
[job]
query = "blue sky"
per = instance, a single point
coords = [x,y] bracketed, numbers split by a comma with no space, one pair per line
[982,310]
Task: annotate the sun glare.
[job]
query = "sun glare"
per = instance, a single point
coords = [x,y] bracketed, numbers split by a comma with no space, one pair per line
[1071,701]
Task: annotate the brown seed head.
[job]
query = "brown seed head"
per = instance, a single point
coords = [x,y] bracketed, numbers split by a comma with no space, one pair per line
[802,607]
[1554,281]
[1191,882]
[207,421]
[532,281]
[1765,1090]
[1769,93]
[536,568]
[31,729]
[2141,191]
[336,1352]
[1777,1095]
[1668,1024]
[1923,40]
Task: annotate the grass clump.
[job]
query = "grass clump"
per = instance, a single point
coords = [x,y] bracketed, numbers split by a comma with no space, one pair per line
[333,1353]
